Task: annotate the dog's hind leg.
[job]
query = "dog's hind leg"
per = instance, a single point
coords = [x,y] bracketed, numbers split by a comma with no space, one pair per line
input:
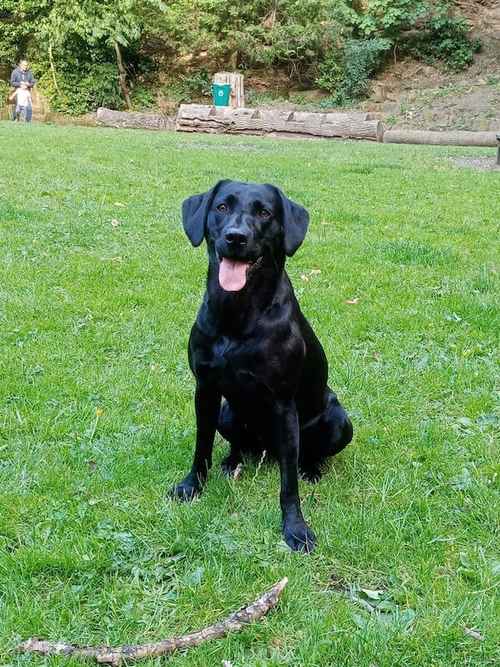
[327,435]
[232,430]
[339,428]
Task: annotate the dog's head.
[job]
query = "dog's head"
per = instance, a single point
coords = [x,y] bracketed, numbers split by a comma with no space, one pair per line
[246,226]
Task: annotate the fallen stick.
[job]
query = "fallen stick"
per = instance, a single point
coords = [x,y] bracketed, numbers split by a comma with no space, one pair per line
[115,656]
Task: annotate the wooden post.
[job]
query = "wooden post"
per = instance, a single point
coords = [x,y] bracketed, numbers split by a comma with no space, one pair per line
[237,86]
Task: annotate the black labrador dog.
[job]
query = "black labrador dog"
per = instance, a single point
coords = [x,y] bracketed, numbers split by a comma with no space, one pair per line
[252,346]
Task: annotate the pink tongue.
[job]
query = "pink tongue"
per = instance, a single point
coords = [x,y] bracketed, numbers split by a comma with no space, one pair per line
[232,274]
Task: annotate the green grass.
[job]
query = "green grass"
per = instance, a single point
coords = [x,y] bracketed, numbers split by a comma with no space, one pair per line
[96,416]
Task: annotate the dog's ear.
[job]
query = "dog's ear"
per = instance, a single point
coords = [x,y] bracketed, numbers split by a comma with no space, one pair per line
[194,214]
[295,223]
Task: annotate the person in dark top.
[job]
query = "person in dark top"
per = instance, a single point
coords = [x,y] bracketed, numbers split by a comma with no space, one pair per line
[22,74]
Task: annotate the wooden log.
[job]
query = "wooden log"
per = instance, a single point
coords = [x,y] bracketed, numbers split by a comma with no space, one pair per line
[342,116]
[134,120]
[199,111]
[191,118]
[434,138]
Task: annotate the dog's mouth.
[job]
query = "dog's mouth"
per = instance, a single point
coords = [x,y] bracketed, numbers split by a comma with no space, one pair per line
[234,273]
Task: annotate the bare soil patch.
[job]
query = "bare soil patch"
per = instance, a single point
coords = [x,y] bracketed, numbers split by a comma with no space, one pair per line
[480,163]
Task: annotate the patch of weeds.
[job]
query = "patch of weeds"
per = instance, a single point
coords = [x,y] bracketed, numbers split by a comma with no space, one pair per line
[377,606]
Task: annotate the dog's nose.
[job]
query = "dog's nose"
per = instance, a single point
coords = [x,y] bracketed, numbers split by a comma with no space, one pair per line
[235,237]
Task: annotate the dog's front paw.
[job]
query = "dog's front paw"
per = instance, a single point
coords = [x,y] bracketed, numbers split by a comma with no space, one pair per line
[188,489]
[299,536]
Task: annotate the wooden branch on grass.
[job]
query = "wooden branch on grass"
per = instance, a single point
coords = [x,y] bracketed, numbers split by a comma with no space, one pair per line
[118,654]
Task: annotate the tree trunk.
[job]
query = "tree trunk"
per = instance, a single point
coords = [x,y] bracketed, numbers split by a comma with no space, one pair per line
[434,138]
[122,74]
[52,68]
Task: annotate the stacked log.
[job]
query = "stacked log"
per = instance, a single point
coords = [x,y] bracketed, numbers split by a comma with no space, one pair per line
[134,120]
[226,120]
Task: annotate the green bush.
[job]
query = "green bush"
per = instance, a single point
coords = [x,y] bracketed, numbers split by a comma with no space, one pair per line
[446,39]
[142,97]
[331,71]
[362,58]
[425,29]
[80,91]
[189,88]
[197,84]
[4,93]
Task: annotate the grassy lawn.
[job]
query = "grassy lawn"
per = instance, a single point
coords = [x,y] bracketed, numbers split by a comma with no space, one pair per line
[98,290]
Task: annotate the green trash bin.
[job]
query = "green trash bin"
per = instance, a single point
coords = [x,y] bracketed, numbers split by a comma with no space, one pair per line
[221,93]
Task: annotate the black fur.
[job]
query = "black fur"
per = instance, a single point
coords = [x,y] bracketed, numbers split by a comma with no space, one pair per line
[255,349]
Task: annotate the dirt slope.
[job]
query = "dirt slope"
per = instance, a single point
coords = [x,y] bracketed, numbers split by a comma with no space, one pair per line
[415,95]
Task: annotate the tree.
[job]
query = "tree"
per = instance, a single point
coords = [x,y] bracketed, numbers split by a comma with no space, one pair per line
[115,23]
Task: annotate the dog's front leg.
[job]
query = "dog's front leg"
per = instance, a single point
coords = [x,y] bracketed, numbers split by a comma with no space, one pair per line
[296,532]
[207,405]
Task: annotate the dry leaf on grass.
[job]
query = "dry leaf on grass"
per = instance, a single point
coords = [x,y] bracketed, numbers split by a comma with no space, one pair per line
[307,276]
[475,634]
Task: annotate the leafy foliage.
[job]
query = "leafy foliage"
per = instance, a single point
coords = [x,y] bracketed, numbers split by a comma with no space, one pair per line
[89,52]
[390,18]
[446,39]
[361,59]
[4,92]
[424,28]
[88,88]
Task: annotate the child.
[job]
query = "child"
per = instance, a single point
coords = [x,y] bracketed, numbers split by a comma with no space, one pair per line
[22,96]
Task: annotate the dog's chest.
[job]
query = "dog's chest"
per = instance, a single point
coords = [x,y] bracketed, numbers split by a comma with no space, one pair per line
[232,363]
[229,356]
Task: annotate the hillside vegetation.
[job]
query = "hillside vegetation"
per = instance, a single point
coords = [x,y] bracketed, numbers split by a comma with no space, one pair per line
[144,53]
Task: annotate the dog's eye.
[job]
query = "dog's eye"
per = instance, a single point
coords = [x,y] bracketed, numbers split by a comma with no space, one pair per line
[222,208]
[264,213]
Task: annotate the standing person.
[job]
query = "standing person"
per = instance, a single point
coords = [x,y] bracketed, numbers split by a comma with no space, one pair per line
[22,98]
[22,74]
